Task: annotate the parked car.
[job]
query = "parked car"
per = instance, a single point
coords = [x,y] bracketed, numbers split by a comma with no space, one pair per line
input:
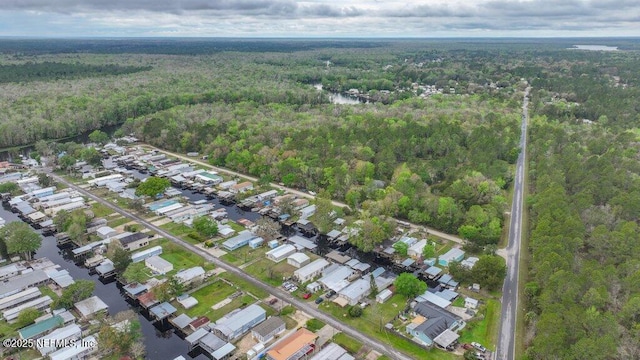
[478,347]
[293,288]
[273,301]
[319,300]
[331,293]
[467,346]
[306,295]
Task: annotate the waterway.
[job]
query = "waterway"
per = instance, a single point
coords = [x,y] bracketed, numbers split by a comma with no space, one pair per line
[338,98]
[594,47]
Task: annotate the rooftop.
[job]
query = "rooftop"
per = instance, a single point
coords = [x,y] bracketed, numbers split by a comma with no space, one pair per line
[41,327]
[268,326]
[332,351]
[298,342]
[90,306]
[163,310]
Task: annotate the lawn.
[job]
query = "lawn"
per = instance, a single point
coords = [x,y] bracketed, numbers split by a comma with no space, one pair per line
[350,344]
[485,330]
[372,323]
[244,285]
[47,291]
[209,296]
[118,221]
[314,325]
[180,257]
[244,255]
[100,210]
[270,272]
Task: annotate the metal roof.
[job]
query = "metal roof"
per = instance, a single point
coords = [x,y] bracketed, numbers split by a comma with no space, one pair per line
[311,268]
[163,310]
[90,306]
[238,319]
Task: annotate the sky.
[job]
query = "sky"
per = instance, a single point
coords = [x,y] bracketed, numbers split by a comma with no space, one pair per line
[319,18]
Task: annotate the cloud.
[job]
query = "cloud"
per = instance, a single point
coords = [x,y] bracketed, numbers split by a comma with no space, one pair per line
[319,17]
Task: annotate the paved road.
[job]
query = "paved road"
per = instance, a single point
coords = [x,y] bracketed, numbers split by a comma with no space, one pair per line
[299,193]
[506,349]
[366,340]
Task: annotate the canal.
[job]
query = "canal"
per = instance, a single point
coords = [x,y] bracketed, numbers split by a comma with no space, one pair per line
[160,341]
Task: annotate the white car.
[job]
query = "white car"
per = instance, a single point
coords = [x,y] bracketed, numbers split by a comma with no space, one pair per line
[478,347]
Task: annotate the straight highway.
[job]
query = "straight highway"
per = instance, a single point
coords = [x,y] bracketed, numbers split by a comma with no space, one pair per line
[506,347]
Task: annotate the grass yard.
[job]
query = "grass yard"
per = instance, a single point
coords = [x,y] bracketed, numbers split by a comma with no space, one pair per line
[372,323]
[180,257]
[270,272]
[100,210]
[350,344]
[209,296]
[290,322]
[118,221]
[47,291]
[244,285]
[244,255]
[314,325]
[485,330]
[459,302]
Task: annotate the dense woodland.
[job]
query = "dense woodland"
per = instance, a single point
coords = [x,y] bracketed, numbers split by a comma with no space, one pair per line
[583,299]
[445,160]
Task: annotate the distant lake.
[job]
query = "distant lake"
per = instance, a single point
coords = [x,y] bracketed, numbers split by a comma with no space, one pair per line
[594,47]
[338,98]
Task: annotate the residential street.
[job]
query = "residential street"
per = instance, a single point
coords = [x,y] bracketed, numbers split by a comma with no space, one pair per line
[507,336]
[366,340]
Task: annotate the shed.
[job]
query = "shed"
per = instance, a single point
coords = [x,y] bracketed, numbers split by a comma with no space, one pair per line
[158,265]
[273,244]
[256,243]
[384,295]
[314,287]
[470,303]
[298,259]
[187,301]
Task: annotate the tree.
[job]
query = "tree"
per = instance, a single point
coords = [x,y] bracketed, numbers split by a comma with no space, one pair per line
[401,248]
[92,156]
[133,274]
[28,316]
[99,137]
[152,187]
[66,162]
[62,220]
[168,290]
[429,250]
[267,228]
[75,292]
[120,257]
[19,238]
[44,180]
[205,226]
[322,217]
[124,338]
[489,271]
[9,187]
[355,311]
[409,285]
